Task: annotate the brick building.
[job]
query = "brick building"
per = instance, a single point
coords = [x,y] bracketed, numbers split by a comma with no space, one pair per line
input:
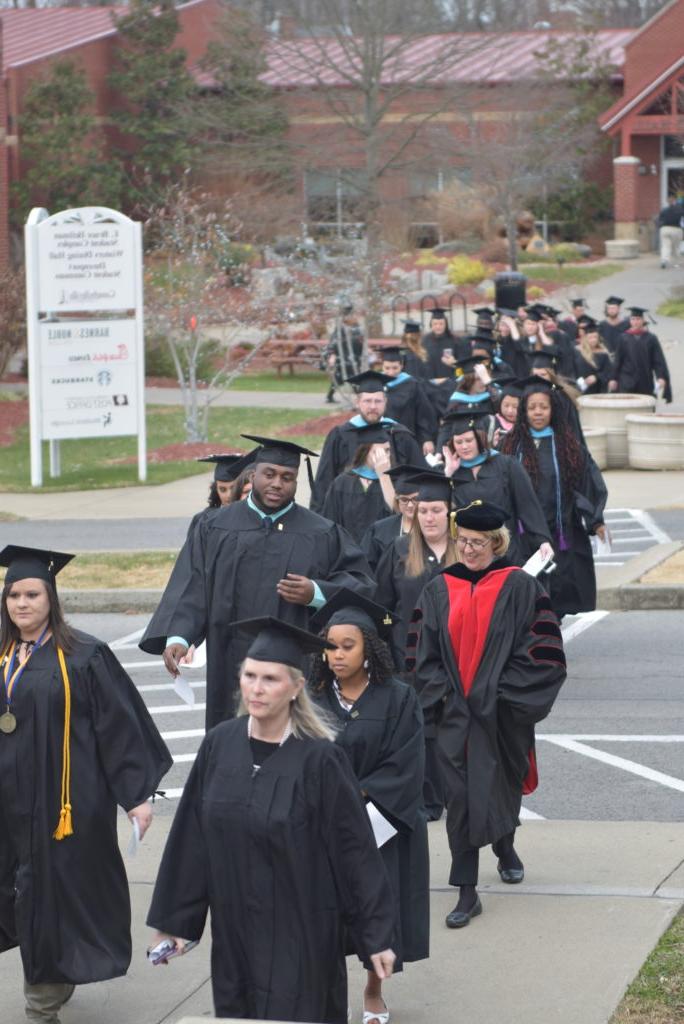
[647,125]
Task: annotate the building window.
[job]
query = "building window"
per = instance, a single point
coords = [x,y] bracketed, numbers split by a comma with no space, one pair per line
[334,198]
[673,147]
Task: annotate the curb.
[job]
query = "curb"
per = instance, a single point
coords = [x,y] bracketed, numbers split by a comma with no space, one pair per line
[122,602]
[621,591]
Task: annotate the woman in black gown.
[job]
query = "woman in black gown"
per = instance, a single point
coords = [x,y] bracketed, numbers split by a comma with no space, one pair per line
[490,663]
[593,361]
[381,730]
[570,489]
[361,495]
[477,471]
[272,836]
[76,740]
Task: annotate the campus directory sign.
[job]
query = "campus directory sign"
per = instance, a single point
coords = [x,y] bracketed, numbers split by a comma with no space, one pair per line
[85,330]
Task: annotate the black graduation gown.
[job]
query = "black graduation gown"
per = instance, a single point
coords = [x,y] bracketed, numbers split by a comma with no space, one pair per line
[408,404]
[638,359]
[66,903]
[490,664]
[159,624]
[399,592]
[415,366]
[237,559]
[339,449]
[281,856]
[502,480]
[378,537]
[610,333]
[602,371]
[383,737]
[516,354]
[565,366]
[353,506]
[437,345]
[572,585]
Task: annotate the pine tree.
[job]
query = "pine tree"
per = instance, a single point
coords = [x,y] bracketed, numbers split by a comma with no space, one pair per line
[153,86]
[62,148]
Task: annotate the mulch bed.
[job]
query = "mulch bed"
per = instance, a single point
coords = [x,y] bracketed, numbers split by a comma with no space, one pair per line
[12,416]
[319,425]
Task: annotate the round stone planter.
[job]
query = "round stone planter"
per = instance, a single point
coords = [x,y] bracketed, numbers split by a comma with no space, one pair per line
[656,441]
[597,443]
[609,413]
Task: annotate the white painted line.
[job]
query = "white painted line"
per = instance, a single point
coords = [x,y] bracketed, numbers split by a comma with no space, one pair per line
[526,815]
[606,738]
[130,640]
[183,758]
[172,794]
[155,687]
[648,523]
[621,554]
[619,762]
[611,564]
[631,540]
[143,664]
[183,734]
[583,621]
[172,709]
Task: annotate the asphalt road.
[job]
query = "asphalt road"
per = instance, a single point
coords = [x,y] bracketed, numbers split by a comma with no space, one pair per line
[611,750]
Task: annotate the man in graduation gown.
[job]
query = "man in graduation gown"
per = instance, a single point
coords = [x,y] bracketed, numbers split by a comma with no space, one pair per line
[264,555]
[440,341]
[341,443]
[227,469]
[407,401]
[640,365]
[614,324]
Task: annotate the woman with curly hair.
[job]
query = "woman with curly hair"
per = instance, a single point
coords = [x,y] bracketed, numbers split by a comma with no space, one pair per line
[380,727]
[570,488]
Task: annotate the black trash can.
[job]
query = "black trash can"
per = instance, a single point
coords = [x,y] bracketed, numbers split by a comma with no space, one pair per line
[510,290]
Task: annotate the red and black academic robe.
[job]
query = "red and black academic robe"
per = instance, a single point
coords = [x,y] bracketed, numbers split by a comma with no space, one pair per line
[489,665]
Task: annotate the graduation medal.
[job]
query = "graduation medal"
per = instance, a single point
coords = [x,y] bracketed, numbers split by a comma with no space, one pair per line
[8,722]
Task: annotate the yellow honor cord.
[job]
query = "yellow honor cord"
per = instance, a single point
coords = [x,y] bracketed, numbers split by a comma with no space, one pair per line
[64,826]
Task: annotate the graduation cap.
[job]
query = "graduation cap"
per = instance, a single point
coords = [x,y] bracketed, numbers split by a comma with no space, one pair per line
[510,387]
[482,340]
[577,303]
[485,313]
[349,608]
[480,515]
[392,355]
[371,433]
[281,453]
[467,365]
[412,327]
[546,357]
[533,314]
[438,313]
[549,311]
[534,384]
[229,467]
[637,310]
[432,486]
[587,323]
[460,421]
[614,300]
[24,563]
[280,642]
[369,382]
[401,477]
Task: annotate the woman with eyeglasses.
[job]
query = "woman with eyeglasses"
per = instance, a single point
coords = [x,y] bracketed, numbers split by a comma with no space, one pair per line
[489,665]
[385,531]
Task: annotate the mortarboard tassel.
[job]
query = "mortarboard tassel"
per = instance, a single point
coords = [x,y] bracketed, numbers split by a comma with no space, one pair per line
[65,825]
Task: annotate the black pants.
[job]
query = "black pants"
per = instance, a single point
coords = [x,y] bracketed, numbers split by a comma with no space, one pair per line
[465,865]
[433,785]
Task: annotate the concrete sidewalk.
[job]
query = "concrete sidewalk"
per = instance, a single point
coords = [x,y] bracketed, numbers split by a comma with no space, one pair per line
[562,946]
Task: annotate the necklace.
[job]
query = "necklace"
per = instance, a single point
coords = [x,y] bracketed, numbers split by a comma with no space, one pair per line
[345,701]
[12,675]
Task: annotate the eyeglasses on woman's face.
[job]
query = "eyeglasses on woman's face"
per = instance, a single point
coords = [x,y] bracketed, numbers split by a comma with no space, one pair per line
[476,545]
[406,502]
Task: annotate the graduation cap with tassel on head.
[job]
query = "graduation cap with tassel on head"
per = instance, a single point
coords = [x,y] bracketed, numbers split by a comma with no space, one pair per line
[282,453]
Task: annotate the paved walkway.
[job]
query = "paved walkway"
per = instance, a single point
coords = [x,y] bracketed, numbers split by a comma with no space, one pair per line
[561,947]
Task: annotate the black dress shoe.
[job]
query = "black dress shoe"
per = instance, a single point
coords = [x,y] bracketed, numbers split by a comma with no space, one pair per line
[460,918]
[511,876]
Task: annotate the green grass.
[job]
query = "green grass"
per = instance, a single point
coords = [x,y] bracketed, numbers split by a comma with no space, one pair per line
[117,571]
[656,996]
[94,463]
[586,274]
[673,307]
[313,382]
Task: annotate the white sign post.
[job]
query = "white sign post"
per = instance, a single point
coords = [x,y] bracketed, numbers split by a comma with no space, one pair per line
[86,353]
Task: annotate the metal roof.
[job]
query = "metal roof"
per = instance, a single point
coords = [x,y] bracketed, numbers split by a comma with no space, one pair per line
[467,57]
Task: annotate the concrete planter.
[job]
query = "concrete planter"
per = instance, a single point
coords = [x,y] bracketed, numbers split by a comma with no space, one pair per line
[656,441]
[609,413]
[597,443]
[622,249]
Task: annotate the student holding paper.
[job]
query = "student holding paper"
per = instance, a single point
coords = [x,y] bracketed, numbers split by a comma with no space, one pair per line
[75,740]
[271,835]
[380,727]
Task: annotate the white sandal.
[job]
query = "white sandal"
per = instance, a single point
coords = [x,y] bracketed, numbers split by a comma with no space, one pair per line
[380,1018]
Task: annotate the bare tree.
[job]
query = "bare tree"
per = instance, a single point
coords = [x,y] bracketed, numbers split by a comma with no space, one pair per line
[374,82]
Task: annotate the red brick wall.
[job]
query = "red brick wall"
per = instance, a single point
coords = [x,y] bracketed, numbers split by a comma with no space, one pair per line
[659,44]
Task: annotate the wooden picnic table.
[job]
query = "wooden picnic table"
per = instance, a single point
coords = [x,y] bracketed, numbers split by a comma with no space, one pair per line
[291,352]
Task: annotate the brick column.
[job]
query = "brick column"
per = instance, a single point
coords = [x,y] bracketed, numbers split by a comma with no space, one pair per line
[626,182]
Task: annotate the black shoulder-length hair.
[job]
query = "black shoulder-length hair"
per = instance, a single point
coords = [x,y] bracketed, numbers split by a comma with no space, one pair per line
[375,650]
[62,634]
